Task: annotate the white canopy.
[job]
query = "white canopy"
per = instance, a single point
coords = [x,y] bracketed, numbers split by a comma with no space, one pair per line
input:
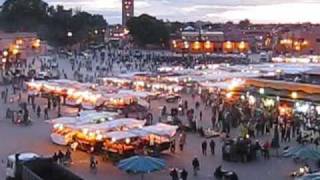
[115,124]
[161,129]
[119,135]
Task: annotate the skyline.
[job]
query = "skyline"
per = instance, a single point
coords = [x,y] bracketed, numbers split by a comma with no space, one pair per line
[257,11]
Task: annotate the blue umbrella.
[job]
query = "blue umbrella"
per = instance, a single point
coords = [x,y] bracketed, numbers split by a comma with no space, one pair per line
[141,164]
[303,152]
[313,176]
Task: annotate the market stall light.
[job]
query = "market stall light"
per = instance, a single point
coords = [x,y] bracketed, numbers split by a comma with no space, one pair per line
[243,97]
[5,53]
[268,102]
[15,51]
[85,131]
[186,45]
[4,60]
[252,100]
[99,137]
[261,91]
[127,140]
[229,95]
[302,107]
[113,140]
[278,98]
[294,95]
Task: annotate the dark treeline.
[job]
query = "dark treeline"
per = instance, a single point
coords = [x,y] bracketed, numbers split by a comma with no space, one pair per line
[51,23]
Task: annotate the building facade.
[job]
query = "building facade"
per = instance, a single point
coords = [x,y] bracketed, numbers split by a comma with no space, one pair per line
[127,11]
[204,41]
[20,45]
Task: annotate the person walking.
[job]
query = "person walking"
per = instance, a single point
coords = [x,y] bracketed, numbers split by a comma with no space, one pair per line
[204,147]
[38,111]
[184,174]
[46,116]
[196,166]
[182,140]
[93,164]
[212,146]
[174,174]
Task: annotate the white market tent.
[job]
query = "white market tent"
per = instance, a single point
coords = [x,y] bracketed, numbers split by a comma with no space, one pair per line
[161,129]
[127,123]
[119,135]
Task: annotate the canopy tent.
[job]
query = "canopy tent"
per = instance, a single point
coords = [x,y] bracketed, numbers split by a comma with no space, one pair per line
[119,135]
[161,129]
[115,124]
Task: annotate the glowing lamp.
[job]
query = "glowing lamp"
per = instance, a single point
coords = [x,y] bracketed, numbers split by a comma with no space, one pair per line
[15,51]
[5,53]
[294,95]
[261,90]
[127,140]
[228,45]
[99,137]
[301,170]
[229,95]
[69,34]
[242,45]
[186,45]
[196,45]
[91,134]
[85,131]
[252,100]
[207,45]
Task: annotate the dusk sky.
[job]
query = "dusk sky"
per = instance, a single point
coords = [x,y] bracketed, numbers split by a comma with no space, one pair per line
[261,11]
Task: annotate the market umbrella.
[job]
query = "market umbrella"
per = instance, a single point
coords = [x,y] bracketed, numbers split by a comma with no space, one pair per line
[313,176]
[141,164]
[303,152]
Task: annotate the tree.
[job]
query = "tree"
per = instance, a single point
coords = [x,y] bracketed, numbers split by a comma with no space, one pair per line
[243,24]
[146,29]
[51,23]
[23,15]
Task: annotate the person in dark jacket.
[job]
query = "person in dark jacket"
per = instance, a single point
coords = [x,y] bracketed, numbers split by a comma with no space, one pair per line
[184,174]
[196,166]
[212,146]
[174,174]
[204,148]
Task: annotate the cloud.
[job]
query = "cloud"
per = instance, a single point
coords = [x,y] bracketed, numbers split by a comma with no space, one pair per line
[262,11]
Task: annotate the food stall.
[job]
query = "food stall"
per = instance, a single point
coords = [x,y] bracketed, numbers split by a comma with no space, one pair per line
[65,128]
[90,136]
[118,101]
[160,138]
[117,82]
[120,144]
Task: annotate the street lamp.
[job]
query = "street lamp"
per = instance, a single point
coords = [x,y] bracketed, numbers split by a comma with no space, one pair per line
[69,34]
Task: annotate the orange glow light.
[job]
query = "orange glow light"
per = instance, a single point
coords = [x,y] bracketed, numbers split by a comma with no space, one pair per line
[207,45]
